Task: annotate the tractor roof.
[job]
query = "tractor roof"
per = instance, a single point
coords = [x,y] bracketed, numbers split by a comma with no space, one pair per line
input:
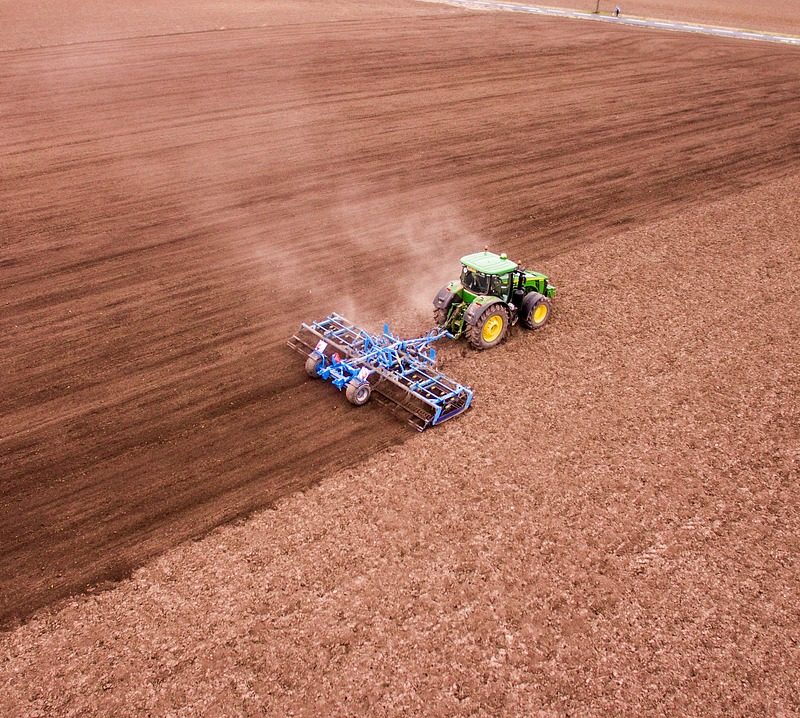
[489,263]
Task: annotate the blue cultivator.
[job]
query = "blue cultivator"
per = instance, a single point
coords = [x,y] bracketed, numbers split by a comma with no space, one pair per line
[399,373]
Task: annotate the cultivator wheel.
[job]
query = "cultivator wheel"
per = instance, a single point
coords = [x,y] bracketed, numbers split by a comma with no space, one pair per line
[490,328]
[535,311]
[358,392]
[312,366]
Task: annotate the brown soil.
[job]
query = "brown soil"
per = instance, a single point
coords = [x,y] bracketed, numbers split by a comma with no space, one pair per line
[41,23]
[775,15]
[174,206]
[612,531]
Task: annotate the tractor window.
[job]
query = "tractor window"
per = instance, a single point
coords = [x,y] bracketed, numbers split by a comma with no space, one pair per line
[505,285]
[474,282]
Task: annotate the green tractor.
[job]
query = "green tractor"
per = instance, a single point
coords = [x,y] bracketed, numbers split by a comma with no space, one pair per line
[492,294]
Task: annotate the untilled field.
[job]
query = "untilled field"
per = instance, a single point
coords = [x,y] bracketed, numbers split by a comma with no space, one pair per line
[172,207]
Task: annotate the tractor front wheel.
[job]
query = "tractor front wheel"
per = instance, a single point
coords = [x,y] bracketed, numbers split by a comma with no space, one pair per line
[490,328]
[358,392]
[535,310]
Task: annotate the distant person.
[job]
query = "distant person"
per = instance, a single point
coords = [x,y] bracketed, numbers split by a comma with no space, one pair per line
[616,11]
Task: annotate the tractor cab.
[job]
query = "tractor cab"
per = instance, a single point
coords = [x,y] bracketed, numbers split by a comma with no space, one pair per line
[480,284]
[486,273]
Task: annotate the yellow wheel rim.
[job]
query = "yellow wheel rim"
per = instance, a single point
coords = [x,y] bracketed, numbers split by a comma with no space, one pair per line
[492,328]
[540,313]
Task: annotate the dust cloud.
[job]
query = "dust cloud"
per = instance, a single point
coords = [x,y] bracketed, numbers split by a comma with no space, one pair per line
[418,242]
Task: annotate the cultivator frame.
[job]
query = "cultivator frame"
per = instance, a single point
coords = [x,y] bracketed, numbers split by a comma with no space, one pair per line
[401,373]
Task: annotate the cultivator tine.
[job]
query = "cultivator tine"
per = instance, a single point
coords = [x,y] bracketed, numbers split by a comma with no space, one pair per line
[404,404]
[425,398]
[340,336]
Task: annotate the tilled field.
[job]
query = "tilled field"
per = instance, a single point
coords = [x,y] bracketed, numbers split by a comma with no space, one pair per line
[173,206]
[775,15]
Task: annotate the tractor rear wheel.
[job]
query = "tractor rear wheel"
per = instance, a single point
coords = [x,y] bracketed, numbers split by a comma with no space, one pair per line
[442,304]
[490,328]
[312,366]
[535,310]
[358,392]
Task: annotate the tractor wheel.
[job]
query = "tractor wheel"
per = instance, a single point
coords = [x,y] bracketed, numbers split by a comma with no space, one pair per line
[312,366]
[358,392]
[442,303]
[490,329]
[535,310]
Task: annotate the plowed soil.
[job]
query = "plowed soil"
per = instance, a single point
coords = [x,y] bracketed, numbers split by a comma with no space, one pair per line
[775,15]
[172,207]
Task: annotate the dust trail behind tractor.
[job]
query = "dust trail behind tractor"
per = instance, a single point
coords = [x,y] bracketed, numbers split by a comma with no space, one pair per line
[399,373]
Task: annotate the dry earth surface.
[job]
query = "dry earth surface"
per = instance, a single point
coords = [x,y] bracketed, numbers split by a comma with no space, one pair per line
[41,23]
[614,530]
[172,207]
[775,15]
[613,527]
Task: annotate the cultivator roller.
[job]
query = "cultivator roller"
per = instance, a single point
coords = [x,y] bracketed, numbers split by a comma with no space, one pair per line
[399,373]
